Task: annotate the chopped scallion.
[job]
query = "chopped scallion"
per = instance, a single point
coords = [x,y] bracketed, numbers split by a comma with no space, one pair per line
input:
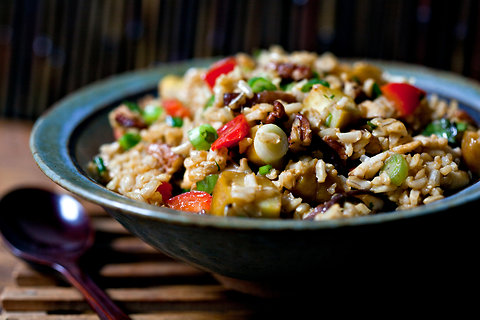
[129,140]
[328,120]
[132,106]
[209,102]
[202,137]
[259,84]
[371,125]
[442,128]
[208,183]
[151,113]
[461,126]
[376,92]
[396,168]
[100,165]
[263,170]
[308,86]
[176,122]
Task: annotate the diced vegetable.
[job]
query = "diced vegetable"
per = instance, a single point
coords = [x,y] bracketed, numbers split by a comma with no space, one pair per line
[208,183]
[175,108]
[404,96]
[376,91]
[266,203]
[165,189]
[259,84]
[151,113]
[323,102]
[176,122]
[471,151]
[202,136]
[442,128]
[129,140]
[99,164]
[308,86]
[209,102]
[218,68]
[192,201]
[396,168]
[270,143]
[371,125]
[132,106]
[263,170]
[232,133]
[170,86]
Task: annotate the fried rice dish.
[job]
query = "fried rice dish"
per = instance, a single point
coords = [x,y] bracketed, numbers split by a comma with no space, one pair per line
[284,135]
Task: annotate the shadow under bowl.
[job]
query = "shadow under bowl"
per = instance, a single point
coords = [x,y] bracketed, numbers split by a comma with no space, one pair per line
[260,256]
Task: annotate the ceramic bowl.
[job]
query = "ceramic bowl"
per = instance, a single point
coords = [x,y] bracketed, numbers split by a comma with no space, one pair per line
[256,253]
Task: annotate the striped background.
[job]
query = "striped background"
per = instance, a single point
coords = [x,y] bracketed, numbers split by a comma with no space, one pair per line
[49,48]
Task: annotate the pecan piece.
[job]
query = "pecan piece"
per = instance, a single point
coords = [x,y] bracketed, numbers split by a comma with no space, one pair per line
[167,159]
[278,114]
[126,118]
[301,133]
[336,146]
[293,71]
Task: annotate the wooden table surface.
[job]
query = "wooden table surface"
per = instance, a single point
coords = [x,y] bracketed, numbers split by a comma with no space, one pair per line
[17,169]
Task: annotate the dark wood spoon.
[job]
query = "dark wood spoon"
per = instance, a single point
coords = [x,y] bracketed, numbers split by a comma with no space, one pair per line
[53,230]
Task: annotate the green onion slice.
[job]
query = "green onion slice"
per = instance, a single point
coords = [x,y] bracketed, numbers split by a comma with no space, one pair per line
[151,113]
[396,168]
[176,122]
[202,137]
[263,170]
[328,120]
[259,84]
[376,92]
[129,140]
[100,165]
[209,102]
[132,106]
[308,86]
[442,128]
[208,183]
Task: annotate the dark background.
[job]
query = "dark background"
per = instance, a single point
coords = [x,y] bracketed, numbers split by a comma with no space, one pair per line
[49,48]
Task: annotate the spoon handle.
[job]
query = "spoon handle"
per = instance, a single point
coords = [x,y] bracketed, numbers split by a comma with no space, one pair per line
[96,297]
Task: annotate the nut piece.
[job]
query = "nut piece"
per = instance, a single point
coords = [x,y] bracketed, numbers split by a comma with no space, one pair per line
[293,71]
[301,133]
[278,114]
[167,159]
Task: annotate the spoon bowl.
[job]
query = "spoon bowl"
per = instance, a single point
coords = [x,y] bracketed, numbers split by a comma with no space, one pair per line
[53,230]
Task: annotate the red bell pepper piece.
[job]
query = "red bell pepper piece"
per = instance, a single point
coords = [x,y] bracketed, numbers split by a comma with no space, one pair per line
[218,68]
[165,190]
[405,97]
[175,108]
[193,201]
[231,133]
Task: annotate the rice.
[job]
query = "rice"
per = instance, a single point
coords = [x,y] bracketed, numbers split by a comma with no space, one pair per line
[340,149]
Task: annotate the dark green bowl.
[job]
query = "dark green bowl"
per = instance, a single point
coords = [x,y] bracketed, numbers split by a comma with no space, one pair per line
[253,251]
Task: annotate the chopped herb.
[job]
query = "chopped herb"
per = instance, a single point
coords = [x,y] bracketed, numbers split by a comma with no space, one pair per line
[132,106]
[209,102]
[371,125]
[308,86]
[151,113]
[442,128]
[208,183]
[332,96]
[288,86]
[129,140]
[263,170]
[259,84]
[462,126]
[328,120]
[376,91]
[396,168]
[176,122]
[218,166]
[100,165]
[202,136]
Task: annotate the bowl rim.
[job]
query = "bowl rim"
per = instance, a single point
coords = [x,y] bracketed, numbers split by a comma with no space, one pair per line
[51,137]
